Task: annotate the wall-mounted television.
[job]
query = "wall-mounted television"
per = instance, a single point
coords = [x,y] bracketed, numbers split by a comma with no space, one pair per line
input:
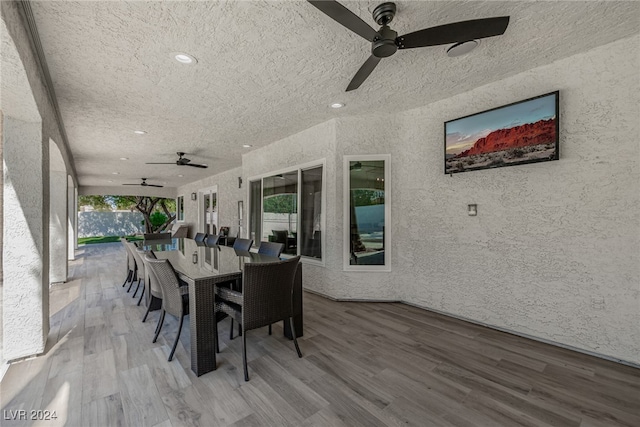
[523,132]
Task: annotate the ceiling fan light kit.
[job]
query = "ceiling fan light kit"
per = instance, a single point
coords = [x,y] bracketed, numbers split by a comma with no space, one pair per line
[463,48]
[385,42]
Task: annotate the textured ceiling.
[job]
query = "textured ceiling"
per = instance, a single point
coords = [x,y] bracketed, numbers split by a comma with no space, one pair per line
[268,69]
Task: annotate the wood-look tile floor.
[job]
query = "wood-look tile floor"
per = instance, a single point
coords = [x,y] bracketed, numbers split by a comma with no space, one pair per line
[364,364]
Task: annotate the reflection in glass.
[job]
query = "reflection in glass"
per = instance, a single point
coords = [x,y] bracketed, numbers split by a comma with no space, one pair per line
[255,214]
[311,213]
[280,210]
[180,208]
[367,216]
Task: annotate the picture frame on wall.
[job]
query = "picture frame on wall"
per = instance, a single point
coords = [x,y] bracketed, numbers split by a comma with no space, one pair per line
[522,132]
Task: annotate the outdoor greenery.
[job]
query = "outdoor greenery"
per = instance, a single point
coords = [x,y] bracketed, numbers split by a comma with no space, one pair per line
[280,203]
[148,206]
[362,197]
[105,239]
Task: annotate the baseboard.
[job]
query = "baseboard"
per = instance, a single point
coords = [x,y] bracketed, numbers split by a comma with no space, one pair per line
[486,325]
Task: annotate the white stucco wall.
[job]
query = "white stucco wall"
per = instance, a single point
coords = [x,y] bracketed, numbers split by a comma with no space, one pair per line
[96,224]
[25,288]
[555,249]
[58,234]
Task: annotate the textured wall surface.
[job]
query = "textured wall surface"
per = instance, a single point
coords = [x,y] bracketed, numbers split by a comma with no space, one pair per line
[92,224]
[227,200]
[555,249]
[58,224]
[24,325]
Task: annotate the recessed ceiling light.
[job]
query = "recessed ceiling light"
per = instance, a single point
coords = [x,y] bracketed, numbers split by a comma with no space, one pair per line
[115,173]
[462,48]
[184,58]
[110,180]
[180,176]
[124,158]
[247,145]
[139,132]
[337,105]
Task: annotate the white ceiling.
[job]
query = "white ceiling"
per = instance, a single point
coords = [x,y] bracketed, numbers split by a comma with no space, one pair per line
[268,69]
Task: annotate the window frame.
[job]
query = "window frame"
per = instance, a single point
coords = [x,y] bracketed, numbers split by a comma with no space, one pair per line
[180,202]
[323,205]
[346,213]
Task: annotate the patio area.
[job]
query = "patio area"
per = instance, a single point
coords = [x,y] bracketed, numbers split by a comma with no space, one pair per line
[364,364]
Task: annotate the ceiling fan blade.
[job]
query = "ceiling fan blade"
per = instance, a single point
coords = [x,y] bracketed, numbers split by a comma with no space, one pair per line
[195,165]
[345,17]
[454,33]
[153,163]
[130,184]
[154,185]
[364,71]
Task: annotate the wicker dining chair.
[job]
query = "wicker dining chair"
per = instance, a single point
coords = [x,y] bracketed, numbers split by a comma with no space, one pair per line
[242,244]
[266,298]
[175,298]
[155,293]
[130,263]
[138,254]
[199,237]
[271,248]
[212,239]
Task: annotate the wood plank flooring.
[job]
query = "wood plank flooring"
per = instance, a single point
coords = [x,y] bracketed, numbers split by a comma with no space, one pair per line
[364,364]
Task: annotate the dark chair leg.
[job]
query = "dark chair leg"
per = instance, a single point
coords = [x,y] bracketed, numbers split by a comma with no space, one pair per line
[144,319]
[293,333]
[244,357]
[269,329]
[128,278]
[175,344]
[137,287]
[133,279]
[159,327]
[142,293]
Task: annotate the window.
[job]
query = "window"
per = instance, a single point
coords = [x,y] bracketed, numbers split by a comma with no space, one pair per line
[367,212]
[287,208]
[280,210]
[180,208]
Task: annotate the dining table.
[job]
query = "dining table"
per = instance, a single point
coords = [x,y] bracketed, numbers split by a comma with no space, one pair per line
[202,268]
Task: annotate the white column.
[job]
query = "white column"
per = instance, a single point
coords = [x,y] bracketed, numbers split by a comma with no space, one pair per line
[58,235]
[25,313]
[72,219]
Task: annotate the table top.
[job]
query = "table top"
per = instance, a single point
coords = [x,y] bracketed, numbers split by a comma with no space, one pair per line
[198,261]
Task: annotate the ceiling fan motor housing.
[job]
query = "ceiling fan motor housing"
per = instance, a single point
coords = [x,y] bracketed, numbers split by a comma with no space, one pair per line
[384,45]
[383,13]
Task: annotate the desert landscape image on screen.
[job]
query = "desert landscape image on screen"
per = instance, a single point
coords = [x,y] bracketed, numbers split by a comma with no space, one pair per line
[524,132]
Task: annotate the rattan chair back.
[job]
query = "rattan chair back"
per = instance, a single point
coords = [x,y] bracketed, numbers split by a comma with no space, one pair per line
[212,239]
[139,264]
[154,286]
[165,276]
[131,261]
[242,244]
[271,248]
[267,292]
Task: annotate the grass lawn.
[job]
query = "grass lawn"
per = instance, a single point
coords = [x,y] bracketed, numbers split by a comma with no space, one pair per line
[105,239]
